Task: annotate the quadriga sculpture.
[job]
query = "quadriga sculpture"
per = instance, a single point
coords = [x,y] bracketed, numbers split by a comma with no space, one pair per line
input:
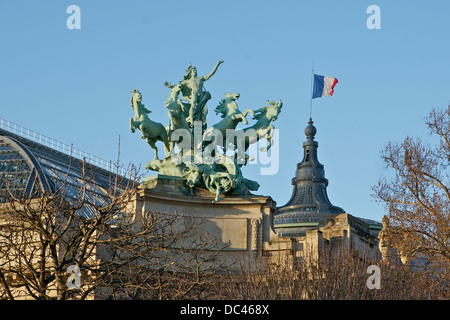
[219,171]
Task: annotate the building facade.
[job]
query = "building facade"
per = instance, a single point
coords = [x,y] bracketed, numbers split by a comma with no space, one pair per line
[250,226]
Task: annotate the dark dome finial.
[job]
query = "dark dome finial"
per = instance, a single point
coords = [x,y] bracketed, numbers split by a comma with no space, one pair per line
[310,130]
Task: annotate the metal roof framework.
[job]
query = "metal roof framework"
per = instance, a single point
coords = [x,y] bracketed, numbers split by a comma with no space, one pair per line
[29,168]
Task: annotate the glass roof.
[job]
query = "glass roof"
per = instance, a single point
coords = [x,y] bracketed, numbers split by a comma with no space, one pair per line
[15,172]
[23,160]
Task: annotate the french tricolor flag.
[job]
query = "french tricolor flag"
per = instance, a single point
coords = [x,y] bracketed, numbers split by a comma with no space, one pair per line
[323,86]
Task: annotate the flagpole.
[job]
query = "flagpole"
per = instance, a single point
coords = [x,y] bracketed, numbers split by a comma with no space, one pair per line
[312,86]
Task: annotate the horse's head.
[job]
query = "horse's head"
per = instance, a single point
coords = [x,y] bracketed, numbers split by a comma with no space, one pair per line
[274,109]
[269,112]
[174,90]
[173,96]
[223,106]
[136,96]
[136,102]
[232,96]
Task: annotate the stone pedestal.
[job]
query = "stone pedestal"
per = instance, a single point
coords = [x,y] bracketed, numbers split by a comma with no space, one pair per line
[245,222]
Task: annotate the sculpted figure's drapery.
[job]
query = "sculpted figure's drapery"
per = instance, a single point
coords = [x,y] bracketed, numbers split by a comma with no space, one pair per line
[204,157]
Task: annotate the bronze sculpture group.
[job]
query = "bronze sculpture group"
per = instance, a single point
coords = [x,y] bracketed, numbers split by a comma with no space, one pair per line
[204,157]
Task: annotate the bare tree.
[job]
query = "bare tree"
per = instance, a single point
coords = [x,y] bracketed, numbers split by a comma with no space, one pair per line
[417,195]
[338,276]
[53,246]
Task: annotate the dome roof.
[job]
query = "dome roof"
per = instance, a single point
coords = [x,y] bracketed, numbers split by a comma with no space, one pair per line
[309,204]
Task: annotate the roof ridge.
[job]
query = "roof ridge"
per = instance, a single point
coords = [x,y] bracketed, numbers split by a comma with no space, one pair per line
[54,144]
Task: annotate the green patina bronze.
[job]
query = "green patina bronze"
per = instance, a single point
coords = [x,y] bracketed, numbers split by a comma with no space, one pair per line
[195,157]
[151,131]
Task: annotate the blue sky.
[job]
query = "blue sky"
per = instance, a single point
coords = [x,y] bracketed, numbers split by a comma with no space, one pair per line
[74,85]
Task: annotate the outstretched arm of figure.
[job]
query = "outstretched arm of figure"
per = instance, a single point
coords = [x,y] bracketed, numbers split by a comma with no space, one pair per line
[209,75]
[168,85]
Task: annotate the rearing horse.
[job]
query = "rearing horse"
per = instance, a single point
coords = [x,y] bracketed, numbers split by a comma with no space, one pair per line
[150,130]
[261,129]
[231,117]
